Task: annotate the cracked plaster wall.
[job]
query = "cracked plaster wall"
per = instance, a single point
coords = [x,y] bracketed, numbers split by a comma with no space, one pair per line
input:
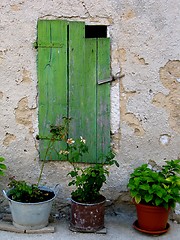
[145,97]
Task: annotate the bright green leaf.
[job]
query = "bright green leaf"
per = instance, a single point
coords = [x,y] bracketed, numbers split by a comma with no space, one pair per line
[137,199]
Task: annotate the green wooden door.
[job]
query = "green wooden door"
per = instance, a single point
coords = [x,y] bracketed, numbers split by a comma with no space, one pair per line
[70,68]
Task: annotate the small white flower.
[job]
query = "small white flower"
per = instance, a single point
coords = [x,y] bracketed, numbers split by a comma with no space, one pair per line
[82,140]
[70,141]
[64,152]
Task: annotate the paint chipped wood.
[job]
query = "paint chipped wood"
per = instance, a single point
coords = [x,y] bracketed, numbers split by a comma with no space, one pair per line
[6,225]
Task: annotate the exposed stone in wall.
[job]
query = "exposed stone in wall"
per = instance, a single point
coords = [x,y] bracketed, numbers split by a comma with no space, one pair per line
[25,77]
[16,7]
[23,114]
[122,55]
[140,60]
[170,75]
[128,14]
[129,117]
[8,139]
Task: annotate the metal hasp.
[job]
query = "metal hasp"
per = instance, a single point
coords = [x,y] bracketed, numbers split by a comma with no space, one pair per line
[105,81]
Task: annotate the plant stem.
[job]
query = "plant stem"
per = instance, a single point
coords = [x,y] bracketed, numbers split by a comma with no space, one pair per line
[43,161]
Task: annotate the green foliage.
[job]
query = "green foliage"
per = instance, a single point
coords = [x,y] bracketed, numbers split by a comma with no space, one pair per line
[158,186]
[2,166]
[21,191]
[88,181]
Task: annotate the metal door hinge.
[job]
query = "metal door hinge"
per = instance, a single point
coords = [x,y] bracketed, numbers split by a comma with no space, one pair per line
[49,45]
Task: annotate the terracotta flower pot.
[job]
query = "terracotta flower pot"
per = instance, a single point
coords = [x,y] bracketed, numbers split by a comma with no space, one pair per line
[87,217]
[152,218]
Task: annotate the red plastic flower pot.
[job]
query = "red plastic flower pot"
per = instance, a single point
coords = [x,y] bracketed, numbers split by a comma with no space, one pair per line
[152,218]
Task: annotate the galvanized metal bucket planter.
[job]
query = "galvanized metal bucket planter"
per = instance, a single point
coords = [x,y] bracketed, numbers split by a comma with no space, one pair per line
[87,217]
[27,216]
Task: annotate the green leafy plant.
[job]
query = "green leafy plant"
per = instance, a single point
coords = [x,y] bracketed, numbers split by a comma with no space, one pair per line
[2,166]
[88,181]
[155,185]
[21,191]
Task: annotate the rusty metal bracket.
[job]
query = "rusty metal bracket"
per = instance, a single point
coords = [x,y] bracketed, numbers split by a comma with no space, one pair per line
[110,79]
[105,81]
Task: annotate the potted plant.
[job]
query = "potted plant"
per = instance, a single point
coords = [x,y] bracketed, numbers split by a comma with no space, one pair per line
[30,204]
[87,203]
[155,190]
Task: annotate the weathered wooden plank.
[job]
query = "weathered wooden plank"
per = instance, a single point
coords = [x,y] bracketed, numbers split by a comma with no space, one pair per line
[52,78]
[76,77]
[89,102]
[51,33]
[8,226]
[103,97]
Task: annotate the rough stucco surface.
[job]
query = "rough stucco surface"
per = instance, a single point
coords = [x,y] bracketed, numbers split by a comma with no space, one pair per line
[145,97]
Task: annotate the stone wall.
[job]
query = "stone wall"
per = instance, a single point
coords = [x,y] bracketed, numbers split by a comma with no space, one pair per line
[145,96]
